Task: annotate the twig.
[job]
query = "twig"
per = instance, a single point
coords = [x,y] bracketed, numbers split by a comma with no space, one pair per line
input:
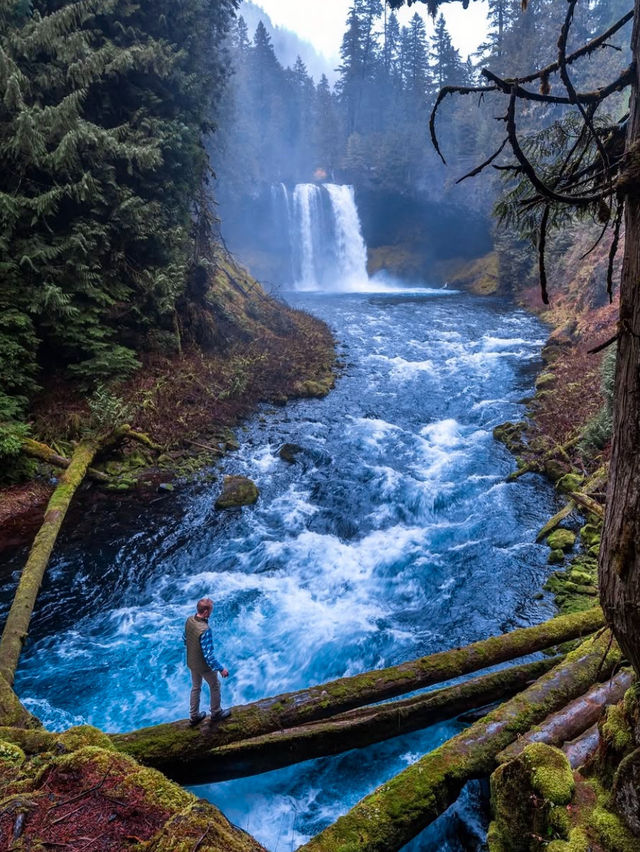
[604,345]
[201,840]
[486,163]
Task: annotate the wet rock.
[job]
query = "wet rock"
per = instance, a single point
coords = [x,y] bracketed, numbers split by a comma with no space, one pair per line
[554,469]
[166,486]
[288,452]
[237,491]
[545,380]
[510,434]
[561,540]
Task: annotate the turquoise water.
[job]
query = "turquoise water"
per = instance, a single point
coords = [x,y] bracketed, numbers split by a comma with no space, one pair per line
[393,535]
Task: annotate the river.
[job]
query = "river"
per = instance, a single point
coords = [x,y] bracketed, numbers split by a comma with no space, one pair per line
[392,536]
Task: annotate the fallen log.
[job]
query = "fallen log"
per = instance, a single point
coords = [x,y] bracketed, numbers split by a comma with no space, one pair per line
[355,729]
[36,450]
[588,503]
[555,521]
[177,744]
[582,748]
[17,624]
[535,465]
[594,482]
[575,718]
[397,811]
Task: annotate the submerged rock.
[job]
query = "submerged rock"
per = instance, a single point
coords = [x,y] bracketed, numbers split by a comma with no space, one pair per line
[237,491]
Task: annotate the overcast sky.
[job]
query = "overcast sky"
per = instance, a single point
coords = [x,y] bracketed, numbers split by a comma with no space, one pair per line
[322,22]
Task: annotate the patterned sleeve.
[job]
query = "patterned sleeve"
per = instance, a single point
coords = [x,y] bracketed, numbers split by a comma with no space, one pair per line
[206,643]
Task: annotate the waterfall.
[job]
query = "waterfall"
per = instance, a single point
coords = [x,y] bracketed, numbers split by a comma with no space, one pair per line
[325,237]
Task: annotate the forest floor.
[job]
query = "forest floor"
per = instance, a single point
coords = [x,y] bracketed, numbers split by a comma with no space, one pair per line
[186,404]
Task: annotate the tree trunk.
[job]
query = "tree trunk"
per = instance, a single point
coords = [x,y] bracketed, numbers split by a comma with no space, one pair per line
[17,624]
[397,811]
[575,718]
[355,729]
[176,742]
[620,551]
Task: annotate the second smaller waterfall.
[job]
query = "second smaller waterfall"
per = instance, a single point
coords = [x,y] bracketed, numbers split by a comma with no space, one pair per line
[327,248]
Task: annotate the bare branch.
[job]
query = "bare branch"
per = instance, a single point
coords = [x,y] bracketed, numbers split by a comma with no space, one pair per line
[442,94]
[604,345]
[486,163]
[596,96]
[585,50]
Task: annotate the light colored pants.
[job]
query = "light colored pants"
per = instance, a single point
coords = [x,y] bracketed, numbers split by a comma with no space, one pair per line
[211,678]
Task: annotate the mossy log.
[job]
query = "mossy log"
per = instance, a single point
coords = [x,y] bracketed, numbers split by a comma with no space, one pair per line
[397,811]
[175,743]
[37,450]
[535,465]
[575,718]
[595,482]
[17,624]
[556,520]
[355,729]
[588,503]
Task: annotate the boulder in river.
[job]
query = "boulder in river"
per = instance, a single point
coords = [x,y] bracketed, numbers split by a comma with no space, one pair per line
[288,452]
[237,491]
[561,540]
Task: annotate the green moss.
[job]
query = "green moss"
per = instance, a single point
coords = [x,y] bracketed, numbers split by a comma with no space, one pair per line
[578,842]
[11,754]
[158,790]
[84,735]
[615,728]
[555,556]
[569,482]
[545,380]
[611,833]
[590,535]
[551,773]
[561,539]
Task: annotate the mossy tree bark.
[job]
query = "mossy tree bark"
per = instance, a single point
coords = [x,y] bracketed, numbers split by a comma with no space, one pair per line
[175,746]
[42,452]
[398,810]
[17,624]
[620,551]
[355,729]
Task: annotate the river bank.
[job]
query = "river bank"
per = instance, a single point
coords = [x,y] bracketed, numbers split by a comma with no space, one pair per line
[187,403]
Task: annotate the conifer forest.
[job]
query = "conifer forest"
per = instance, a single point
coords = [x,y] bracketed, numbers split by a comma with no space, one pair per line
[320,425]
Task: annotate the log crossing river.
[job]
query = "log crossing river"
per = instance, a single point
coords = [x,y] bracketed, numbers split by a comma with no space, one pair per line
[393,535]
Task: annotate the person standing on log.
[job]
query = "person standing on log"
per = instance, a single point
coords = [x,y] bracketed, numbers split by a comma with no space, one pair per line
[202,663]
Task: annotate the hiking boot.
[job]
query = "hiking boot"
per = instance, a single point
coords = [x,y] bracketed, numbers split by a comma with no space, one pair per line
[220,715]
[195,720]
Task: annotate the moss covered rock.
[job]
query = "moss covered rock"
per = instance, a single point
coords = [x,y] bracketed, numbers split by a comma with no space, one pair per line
[626,792]
[555,556]
[510,434]
[561,539]
[237,491]
[569,482]
[590,535]
[529,795]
